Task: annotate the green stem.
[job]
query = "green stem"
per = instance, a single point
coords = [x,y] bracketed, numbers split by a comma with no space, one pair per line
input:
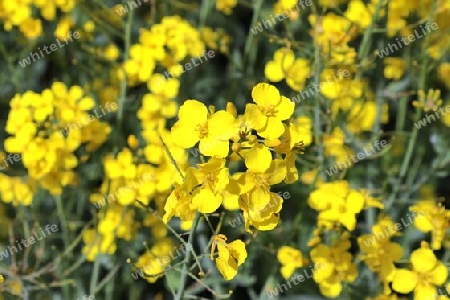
[62,217]
[417,116]
[317,115]
[364,49]
[184,271]
[204,12]
[94,276]
[123,86]
[249,53]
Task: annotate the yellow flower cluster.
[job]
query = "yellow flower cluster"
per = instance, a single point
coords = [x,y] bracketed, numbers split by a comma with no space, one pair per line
[340,266]
[226,6]
[45,129]
[426,275]
[337,204]
[222,134]
[284,65]
[17,190]
[20,14]
[167,43]
[147,173]
[155,260]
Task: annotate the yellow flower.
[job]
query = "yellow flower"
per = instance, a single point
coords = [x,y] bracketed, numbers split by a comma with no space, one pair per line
[337,266]
[261,174]
[290,259]
[31,28]
[63,28]
[212,130]
[16,190]
[111,52]
[394,67]
[263,219]
[270,110]
[154,261]
[379,253]
[123,166]
[284,65]
[333,33]
[432,217]
[287,6]
[231,255]
[429,102]
[358,13]
[226,6]
[426,275]
[179,202]
[336,203]
[213,177]
[96,244]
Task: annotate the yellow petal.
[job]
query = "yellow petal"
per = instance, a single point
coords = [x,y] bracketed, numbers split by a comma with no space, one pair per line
[290,255]
[355,202]
[259,198]
[285,109]
[228,268]
[273,71]
[425,291]
[276,172]
[86,103]
[274,129]
[395,251]
[265,94]
[258,159]
[439,274]
[213,147]
[184,134]
[238,251]
[348,220]
[206,201]
[287,271]
[404,281]
[193,111]
[423,260]
[268,224]
[221,126]
[330,289]
[284,57]
[254,116]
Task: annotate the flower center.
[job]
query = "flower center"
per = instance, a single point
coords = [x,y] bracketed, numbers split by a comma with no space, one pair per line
[269,111]
[260,181]
[202,130]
